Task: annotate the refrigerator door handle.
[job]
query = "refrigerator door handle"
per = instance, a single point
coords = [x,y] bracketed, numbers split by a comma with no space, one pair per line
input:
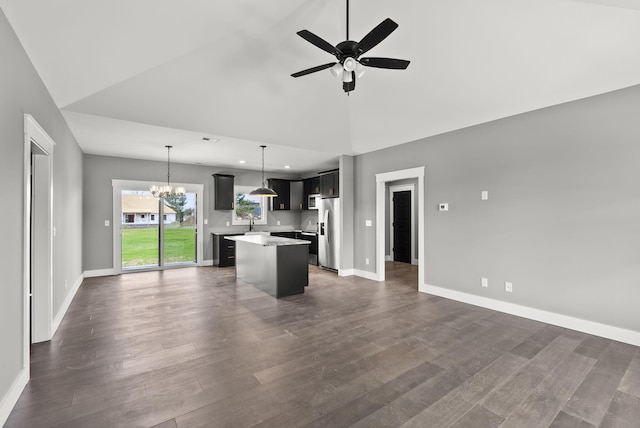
[326,225]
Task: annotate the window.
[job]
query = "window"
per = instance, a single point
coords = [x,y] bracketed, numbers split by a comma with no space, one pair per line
[141,215]
[164,217]
[153,217]
[131,218]
[248,207]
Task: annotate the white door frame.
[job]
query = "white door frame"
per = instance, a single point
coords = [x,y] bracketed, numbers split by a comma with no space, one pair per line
[403,188]
[381,184]
[37,141]
[119,185]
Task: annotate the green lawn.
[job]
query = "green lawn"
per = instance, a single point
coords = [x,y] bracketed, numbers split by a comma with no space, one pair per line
[140,246]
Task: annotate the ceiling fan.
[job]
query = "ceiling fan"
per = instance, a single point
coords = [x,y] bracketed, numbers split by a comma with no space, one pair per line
[349,64]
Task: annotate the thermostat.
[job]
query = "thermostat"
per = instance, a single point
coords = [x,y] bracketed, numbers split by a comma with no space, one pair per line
[443,207]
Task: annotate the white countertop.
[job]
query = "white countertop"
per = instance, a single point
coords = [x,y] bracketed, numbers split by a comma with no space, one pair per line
[266,240]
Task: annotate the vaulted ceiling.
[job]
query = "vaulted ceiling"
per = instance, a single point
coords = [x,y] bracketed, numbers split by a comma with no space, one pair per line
[132,76]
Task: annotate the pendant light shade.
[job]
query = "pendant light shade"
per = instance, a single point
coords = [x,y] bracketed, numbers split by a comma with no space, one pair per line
[264,190]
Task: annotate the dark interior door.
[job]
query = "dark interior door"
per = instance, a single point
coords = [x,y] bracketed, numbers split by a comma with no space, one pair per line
[402,226]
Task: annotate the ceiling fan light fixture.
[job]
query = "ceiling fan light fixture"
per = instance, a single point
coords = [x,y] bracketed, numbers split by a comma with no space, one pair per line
[350,64]
[347,76]
[336,70]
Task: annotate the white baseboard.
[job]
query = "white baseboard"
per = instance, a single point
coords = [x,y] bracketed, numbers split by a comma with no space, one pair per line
[206,263]
[99,272]
[585,326]
[11,397]
[415,262]
[388,258]
[346,272]
[65,305]
[367,275]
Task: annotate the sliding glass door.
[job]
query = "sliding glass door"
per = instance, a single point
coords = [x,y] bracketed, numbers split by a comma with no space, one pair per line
[180,232]
[157,232]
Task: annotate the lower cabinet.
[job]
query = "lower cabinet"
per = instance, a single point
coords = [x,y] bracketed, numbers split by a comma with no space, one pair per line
[291,235]
[224,250]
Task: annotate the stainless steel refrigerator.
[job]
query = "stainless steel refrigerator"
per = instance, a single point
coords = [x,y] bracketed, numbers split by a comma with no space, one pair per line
[329,233]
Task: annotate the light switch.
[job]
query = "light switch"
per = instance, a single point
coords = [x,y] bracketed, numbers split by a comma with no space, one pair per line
[443,207]
[206,221]
[368,223]
[484,195]
[107,223]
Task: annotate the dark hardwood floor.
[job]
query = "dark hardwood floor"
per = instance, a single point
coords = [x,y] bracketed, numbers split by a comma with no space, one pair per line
[194,347]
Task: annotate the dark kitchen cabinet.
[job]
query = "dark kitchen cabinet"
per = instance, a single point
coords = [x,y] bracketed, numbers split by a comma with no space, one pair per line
[224,250]
[330,184]
[286,234]
[296,195]
[223,192]
[310,186]
[314,185]
[282,202]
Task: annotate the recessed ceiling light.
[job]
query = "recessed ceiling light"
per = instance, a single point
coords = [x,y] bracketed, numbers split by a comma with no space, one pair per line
[287,166]
[243,161]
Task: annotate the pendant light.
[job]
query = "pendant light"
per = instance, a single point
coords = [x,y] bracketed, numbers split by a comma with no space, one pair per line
[163,191]
[264,190]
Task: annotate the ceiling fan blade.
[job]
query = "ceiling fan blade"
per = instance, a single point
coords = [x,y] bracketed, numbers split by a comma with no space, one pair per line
[317,41]
[313,69]
[392,63]
[376,35]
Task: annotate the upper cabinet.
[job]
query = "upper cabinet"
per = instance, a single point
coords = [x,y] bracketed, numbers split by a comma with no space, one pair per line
[330,184]
[223,192]
[282,201]
[297,195]
[314,185]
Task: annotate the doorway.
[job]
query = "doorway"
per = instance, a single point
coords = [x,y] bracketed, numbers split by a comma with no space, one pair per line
[155,233]
[401,224]
[38,235]
[382,182]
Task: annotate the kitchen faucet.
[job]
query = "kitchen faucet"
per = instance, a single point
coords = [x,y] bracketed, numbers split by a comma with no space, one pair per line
[250,223]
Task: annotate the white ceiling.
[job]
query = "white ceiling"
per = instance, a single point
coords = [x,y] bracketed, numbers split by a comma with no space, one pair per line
[132,76]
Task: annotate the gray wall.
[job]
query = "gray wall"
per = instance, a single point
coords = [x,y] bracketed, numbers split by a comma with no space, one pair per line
[98,191]
[562,219]
[22,91]
[347,201]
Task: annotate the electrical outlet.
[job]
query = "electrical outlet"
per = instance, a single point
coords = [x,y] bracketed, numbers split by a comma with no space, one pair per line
[484,282]
[278,222]
[366,260]
[508,287]
[106,223]
[206,221]
[227,224]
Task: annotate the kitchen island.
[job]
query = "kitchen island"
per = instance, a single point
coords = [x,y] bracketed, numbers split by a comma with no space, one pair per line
[278,266]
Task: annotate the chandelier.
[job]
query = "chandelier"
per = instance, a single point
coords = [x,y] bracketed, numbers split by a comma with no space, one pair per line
[163,191]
